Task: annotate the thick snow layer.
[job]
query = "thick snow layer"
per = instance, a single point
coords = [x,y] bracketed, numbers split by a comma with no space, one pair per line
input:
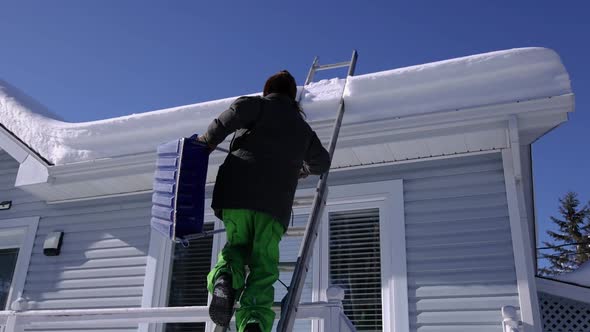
[484,79]
[581,276]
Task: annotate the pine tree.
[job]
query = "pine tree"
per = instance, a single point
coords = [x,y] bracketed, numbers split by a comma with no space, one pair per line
[570,244]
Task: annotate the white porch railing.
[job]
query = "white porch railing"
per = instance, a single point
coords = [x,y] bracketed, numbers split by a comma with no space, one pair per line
[331,313]
[510,320]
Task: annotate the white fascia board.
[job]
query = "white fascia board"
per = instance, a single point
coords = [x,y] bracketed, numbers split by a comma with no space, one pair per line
[562,289]
[9,144]
[31,172]
[476,115]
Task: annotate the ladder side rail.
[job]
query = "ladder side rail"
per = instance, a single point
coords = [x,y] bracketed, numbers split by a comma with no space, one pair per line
[309,78]
[291,301]
[311,73]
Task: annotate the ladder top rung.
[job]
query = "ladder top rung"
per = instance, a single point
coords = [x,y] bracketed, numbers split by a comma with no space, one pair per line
[295,231]
[333,65]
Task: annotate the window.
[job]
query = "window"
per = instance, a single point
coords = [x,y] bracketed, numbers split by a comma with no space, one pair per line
[16,244]
[363,250]
[355,265]
[7,265]
[188,283]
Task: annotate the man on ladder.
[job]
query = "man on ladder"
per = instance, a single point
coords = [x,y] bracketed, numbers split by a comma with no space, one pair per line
[272,148]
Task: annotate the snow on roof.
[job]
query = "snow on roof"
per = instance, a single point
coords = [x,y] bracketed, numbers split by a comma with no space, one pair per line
[490,78]
[581,276]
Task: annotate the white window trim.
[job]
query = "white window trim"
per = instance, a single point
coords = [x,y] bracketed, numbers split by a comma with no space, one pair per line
[159,270]
[29,227]
[387,196]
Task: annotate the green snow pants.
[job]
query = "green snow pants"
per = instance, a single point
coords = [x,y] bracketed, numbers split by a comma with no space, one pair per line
[252,239]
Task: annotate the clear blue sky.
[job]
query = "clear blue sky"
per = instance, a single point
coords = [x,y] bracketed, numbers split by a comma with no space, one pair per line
[90,60]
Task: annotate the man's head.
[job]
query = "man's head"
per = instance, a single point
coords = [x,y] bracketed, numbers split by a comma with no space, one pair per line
[281,82]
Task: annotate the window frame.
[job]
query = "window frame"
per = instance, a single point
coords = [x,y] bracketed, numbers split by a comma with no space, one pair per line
[159,269]
[27,228]
[387,196]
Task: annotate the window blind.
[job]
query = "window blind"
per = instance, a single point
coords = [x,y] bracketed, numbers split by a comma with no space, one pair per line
[355,265]
[188,285]
[7,264]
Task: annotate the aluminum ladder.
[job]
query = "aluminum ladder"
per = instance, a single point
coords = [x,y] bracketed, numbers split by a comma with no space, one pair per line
[290,304]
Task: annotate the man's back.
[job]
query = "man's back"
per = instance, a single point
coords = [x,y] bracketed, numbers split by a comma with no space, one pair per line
[272,145]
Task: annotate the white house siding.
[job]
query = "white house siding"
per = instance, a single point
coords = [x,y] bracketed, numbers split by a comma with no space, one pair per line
[103,257]
[459,251]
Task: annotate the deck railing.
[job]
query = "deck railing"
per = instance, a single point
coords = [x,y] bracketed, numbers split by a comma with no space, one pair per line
[16,320]
[510,320]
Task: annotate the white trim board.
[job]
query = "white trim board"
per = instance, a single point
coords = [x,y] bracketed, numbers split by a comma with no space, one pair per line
[309,183]
[523,261]
[159,270]
[26,228]
[387,196]
[10,145]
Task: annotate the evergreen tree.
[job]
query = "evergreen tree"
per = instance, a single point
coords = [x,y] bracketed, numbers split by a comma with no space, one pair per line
[569,248]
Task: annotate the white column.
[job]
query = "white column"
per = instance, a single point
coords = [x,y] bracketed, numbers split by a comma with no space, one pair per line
[523,260]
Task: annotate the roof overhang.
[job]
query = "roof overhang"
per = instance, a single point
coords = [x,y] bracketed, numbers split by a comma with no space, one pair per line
[360,144]
[33,169]
[567,290]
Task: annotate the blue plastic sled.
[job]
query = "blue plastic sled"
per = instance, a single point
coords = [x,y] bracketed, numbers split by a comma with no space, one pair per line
[178,202]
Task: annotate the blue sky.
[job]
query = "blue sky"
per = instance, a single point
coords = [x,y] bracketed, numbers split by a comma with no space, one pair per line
[89,60]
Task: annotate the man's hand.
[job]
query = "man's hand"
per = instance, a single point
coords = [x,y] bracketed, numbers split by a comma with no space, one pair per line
[204,141]
[303,173]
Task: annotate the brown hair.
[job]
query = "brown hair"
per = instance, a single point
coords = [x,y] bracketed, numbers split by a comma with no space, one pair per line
[282,82]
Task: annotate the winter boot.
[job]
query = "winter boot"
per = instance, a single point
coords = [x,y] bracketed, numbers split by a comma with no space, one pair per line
[222,302]
[252,327]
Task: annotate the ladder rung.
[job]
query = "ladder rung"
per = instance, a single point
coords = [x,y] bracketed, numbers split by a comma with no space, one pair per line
[333,65]
[287,266]
[295,231]
[275,306]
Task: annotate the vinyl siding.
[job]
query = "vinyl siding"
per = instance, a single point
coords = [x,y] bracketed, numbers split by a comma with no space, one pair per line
[458,245]
[459,252]
[103,256]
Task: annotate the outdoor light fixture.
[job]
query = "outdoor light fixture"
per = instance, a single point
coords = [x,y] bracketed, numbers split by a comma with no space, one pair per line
[5,205]
[52,244]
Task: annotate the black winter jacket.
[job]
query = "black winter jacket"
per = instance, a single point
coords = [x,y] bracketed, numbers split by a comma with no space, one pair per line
[273,143]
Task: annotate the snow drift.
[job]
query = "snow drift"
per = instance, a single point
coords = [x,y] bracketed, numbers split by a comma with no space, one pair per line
[490,78]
